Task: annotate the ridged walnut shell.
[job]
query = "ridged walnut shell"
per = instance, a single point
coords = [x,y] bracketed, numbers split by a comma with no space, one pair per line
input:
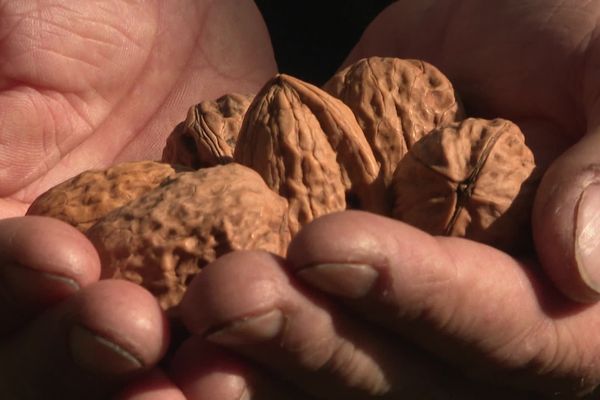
[396,102]
[309,148]
[474,179]
[87,197]
[208,135]
[164,238]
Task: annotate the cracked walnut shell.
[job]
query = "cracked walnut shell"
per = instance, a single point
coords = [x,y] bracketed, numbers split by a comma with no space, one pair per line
[87,197]
[396,102]
[162,239]
[474,179]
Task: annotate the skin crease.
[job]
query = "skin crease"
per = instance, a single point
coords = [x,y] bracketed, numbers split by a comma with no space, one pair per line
[86,85]
[96,84]
[534,62]
[66,105]
[541,73]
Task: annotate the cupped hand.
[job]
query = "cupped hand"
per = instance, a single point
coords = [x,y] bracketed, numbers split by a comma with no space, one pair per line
[85,85]
[537,63]
[63,334]
[366,307]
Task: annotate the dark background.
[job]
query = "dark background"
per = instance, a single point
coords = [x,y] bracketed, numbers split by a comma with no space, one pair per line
[312,38]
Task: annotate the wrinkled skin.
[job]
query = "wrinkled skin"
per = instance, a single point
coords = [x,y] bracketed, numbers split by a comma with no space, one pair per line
[412,316]
[86,85]
[89,85]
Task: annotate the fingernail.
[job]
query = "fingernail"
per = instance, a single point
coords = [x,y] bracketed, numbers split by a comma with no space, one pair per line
[249,330]
[245,394]
[29,283]
[351,281]
[587,236]
[97,354]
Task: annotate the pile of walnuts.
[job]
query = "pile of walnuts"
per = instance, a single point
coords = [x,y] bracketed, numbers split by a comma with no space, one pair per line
[384,135]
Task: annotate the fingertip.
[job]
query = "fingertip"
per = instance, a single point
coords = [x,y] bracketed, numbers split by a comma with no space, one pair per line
[87,346]
[332,234]
[203,370]
[43,261]
[122,317]
[49,246]
[566,223]
[154,385]
[236,285]
[353,237]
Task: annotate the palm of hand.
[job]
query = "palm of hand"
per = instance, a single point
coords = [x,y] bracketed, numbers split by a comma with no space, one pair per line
[83,86]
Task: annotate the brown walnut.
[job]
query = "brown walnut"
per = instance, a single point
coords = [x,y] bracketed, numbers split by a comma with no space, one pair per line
[396,102]
[309,148]
[208,135]
[162,239]
[87,197]
[473,179]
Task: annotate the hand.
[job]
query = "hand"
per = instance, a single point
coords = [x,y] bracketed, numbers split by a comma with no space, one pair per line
[85,85]
[534,62]
[89,85]
[365,306]
[63,334]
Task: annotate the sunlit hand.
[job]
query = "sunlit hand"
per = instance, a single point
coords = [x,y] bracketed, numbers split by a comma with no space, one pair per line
[86,85]
[366,307]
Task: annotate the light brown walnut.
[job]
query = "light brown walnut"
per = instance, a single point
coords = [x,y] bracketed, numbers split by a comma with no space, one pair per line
[208,135]
[258,168]
[474,179]
[87,197]
[396,102]
[163,239]
[309,148]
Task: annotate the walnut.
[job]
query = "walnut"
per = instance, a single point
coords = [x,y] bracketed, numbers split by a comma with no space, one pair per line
[162,239]
[85,198]
[293,153]
[309,148]
[207,136]
[473,179]
[396,102]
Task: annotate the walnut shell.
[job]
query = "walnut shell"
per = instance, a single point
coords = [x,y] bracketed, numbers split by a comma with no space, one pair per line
[87,197]
[207,136]
[473,179]
[309,148]
[396,102]
[282,139]
[162,239]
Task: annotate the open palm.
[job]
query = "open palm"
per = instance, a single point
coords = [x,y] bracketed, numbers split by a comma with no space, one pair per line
[85,85]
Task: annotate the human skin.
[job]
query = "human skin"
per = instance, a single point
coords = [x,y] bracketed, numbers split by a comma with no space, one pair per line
[412,316]
[453,308]
[86,85]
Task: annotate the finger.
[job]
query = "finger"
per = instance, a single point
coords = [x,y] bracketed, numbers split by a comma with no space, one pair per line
[154,385]
[246,303]
[472,305]
[42,261]
[205,371]
[566,221]
[86,347]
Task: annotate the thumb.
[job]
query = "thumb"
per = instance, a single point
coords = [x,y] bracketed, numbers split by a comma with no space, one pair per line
[566,220]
